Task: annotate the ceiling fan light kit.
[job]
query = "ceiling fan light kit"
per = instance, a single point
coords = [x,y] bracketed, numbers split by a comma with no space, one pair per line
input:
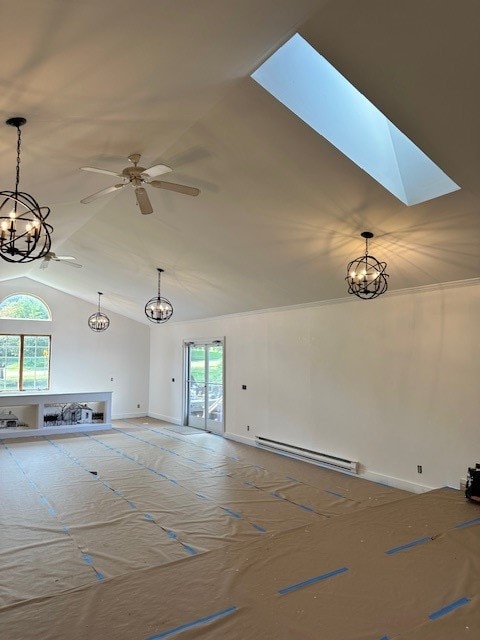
[138,177]
[24,234]
[99,321]
[366,276]
[158,309]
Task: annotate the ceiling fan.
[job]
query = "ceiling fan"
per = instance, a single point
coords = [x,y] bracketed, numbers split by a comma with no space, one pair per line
[70,260]
[137,177]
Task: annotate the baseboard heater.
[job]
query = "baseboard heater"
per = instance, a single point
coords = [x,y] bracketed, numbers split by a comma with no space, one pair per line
[307,454]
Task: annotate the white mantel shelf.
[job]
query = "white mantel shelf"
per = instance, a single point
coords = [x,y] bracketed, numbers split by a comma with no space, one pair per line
[39,399]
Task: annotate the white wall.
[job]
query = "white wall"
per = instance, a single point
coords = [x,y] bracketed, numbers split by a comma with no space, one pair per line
[82,360]
[391,382]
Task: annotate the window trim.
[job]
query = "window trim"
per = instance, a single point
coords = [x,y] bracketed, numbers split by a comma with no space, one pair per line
[22,337]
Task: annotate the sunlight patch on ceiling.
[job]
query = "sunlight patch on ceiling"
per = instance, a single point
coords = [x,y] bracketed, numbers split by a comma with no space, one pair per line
[299,77]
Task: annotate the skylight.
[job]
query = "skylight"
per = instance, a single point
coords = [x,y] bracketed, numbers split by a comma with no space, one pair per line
[301,79]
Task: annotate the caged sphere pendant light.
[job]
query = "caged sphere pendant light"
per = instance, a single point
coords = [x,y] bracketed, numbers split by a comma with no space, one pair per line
[24,234]
[159,310]
[366,276]
[99,321]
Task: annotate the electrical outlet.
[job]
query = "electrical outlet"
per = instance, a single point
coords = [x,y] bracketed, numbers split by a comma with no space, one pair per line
[244,387]
[138,406]
[111,379]
[419,468]
[248,427]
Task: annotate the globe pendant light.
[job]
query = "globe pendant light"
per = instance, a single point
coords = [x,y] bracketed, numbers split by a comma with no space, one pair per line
[99,321]
[24,234]
[366,276]
[159,310]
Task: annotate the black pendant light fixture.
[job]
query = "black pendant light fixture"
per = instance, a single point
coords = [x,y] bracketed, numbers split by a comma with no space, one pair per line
[366,276]
[24,234]
[99,321]
[159,309]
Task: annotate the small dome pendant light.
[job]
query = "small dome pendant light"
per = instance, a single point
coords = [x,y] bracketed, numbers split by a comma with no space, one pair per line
[99,321]
[24,234]
[366,276]
[159,310]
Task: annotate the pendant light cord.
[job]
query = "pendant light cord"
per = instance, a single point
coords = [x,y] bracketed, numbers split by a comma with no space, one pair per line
[17,176]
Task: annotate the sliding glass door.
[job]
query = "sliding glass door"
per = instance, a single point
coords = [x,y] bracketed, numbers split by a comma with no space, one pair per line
[204,385]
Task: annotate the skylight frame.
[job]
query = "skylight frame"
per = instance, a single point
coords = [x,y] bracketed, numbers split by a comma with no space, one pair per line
[337,110]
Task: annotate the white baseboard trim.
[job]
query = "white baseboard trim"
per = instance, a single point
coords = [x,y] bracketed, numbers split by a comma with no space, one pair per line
[241,439]
[398,483]
[160,416]
[125,416]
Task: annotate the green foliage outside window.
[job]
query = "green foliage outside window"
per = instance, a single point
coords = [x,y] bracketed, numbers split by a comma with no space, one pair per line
[24,307]
[24,362]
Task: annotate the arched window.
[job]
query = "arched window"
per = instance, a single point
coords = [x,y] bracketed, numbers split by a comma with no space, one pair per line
[24,359]
[21,306]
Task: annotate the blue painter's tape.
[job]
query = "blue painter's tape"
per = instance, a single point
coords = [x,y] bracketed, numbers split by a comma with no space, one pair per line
[199,495]
[294,479]
[65,529]
[467,523]
[87,559]
[52,512]
[132,505]
[189,549]
[414,543]
[306,508]
[171,534]
[276,495]
[149,517]
[234,514]
[333,493]
[117,493]
[449,608]
[100,575]
[306,583]
[384,638]
[258,527]
[194,623]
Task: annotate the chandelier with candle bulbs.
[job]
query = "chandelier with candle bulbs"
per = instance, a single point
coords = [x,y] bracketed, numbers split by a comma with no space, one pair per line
[159,309]
[366,276]
[24,234]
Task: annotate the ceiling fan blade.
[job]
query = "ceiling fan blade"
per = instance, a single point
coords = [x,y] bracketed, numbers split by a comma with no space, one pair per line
[95,170]
[156,170]
[179,188]
[143,201]
[103,192]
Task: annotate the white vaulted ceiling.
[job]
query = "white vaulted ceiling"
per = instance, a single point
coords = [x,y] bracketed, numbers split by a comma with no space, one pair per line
[280,209]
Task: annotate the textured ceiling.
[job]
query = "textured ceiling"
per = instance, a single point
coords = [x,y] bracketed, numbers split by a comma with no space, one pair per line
[280,209]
